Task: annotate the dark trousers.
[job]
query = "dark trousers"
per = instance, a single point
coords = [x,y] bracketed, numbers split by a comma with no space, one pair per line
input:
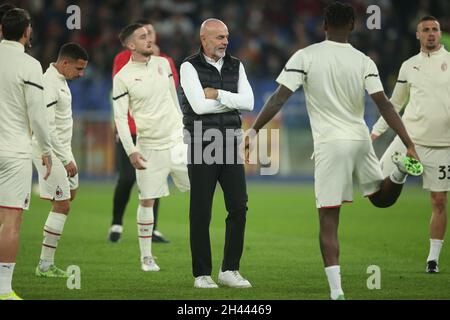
[127,178]
[203,178]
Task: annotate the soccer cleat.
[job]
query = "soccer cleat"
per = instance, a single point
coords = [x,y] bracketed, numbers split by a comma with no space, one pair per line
[149,264]
[205,282]
[340,297]
[52,272]
[158,237]
[407,164]
[432,267]
[233,279]
[10,296]
[115,232]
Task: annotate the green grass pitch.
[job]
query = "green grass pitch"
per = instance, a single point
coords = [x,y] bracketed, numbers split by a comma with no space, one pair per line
[281,256]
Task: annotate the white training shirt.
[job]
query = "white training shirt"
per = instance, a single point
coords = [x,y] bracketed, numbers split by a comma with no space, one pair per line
[22,107]
[424,87]
[226,101]
[334,76]
[148,91]
[58,100]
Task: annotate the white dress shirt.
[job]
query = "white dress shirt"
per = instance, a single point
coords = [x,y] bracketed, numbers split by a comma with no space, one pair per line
[226,101]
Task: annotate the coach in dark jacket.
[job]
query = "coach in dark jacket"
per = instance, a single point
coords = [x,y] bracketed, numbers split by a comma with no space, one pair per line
[214,89]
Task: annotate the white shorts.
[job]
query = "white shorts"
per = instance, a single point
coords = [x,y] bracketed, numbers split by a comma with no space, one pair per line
[152,181]
[337,163]
[58,185]
[15,183]
[435,160]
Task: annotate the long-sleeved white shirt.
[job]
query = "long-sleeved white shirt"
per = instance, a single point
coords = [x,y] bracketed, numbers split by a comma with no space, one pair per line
[424,87]
[226,101]
[58,100]
[148,91]
[22,106]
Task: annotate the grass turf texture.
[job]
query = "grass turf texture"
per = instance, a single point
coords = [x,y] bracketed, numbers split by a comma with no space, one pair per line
[281,256]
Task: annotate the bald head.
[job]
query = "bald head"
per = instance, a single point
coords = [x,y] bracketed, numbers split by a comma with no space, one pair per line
[210,25]
[214,38]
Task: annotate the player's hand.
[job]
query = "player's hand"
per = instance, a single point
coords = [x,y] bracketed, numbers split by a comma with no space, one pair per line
[71,169]
[211,93]
[248,144]
[47,162]
[138,161]
[411,152]
[374,137]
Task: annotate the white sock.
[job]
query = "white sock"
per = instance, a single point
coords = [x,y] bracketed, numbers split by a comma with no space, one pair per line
[334,280]
[435,249]
[6,274]
[52,233]
[397,176]
[145,230]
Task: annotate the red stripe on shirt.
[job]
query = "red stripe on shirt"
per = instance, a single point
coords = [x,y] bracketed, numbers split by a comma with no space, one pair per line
[13,208]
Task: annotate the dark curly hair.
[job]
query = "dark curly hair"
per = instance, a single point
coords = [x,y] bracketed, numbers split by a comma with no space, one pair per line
[339,15]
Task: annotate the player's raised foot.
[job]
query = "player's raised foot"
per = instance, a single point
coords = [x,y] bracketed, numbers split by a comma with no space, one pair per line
[10,296]
[432,267]
[407,164]
[51,272]
[158,237]
[115,232]
[233,279]
[149,264]
[205,282]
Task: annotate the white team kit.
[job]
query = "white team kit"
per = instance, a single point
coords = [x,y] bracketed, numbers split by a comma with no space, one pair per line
[58,100]
[148,92]
[21,112]
[424,87]
[335,76]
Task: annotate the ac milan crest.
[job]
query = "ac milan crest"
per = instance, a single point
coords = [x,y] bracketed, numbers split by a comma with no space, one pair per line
[444,67]
[58,193]
[160,70]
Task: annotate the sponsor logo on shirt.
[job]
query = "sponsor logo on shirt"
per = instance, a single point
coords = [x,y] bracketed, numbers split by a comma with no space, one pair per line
[137,79]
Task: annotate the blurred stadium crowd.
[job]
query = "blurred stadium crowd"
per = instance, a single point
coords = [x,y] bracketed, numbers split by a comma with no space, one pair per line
[263,34]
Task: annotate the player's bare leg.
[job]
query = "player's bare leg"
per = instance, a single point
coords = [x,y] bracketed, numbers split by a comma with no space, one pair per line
[438,226]
[391,187]
[10,221]
[329,246]
[387,195]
